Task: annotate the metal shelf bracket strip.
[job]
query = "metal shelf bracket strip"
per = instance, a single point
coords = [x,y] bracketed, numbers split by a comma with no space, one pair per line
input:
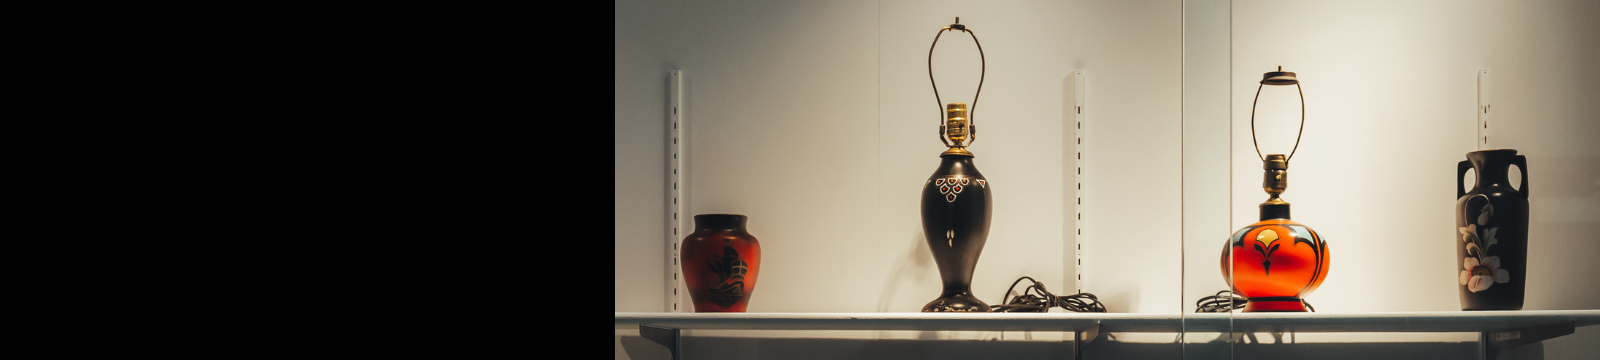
[1490,344]
[1082,339]
[666,337]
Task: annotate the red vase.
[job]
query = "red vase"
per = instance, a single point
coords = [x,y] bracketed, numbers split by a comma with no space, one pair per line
[720,261]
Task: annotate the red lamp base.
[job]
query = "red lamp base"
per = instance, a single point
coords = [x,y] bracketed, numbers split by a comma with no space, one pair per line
[1275,305]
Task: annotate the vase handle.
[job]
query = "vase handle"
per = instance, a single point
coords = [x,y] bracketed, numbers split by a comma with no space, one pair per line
[1461,173]
[1522,163]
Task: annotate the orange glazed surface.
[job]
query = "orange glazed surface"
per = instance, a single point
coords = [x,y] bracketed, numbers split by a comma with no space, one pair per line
[1269,262]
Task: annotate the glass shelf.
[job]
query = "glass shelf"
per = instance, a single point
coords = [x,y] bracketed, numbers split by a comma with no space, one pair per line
[1441,321]
[1498,330]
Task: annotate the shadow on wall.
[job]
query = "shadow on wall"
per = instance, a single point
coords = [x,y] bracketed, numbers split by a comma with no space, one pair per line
[911,267]
[1563,207]
[1118,298]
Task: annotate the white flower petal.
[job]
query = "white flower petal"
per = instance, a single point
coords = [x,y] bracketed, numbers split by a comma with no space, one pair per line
[1470,263]
[1483,218]
[1493,262]
[1479,283]
[1501,276]
[1465,274]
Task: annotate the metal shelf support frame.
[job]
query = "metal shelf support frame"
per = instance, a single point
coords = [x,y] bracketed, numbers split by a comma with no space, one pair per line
[1491,343]
[672,339]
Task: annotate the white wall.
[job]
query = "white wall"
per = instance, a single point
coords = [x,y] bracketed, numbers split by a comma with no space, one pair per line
[1206,201]
[1390,91]
[1133,54]
[816,119]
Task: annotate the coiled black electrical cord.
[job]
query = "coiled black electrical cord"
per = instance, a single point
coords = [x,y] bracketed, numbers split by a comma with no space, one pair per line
[1027,301]
[1220,302]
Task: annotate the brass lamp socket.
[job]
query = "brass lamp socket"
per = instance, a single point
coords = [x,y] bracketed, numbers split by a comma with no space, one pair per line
[1275,180]
[957,129]
[1275,162]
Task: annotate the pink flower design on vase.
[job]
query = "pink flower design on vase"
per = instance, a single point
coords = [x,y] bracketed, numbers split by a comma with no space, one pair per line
[1481,270]
[1478,276]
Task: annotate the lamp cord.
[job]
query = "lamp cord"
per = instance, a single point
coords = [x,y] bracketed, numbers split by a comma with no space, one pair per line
[1221,301]
[1035,298]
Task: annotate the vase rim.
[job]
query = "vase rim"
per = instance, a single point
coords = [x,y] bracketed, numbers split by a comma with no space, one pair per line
[1493,150]
[734,222]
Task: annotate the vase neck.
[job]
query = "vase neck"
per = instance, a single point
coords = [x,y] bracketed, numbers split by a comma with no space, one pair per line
[1491,166]
[957,165]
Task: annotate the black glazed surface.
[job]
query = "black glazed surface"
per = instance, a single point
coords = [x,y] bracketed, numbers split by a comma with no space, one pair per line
[1500,233]
[955,220]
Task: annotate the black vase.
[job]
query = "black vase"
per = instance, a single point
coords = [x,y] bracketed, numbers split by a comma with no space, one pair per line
[955,219]
[1492,232]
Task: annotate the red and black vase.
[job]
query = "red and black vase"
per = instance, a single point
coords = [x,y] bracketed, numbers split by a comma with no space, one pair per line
[720,261]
